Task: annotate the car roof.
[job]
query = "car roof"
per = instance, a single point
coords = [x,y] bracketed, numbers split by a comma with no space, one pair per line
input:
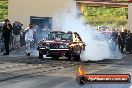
[57,32]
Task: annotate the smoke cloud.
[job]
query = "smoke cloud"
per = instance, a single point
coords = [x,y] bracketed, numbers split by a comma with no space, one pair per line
[69,20]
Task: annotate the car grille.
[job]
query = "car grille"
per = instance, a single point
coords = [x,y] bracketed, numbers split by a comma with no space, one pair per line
[58,46]
[54,46]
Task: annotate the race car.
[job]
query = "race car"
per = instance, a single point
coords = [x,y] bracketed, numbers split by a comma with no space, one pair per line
[60,44]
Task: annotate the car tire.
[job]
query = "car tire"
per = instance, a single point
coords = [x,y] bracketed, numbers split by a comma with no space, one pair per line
[69,57]
[40,55]
[77,57]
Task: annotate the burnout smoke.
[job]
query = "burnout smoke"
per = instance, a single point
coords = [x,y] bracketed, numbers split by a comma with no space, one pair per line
[68,20]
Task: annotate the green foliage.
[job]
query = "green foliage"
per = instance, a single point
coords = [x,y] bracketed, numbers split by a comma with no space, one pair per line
[3,10]
[98,16]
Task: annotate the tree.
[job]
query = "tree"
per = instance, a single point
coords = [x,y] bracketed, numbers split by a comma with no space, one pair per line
[3,10]
[98,16]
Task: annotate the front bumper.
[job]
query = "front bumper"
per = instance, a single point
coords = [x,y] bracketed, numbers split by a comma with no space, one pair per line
[54,52]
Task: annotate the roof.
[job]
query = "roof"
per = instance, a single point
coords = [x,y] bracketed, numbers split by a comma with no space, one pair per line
[103,3]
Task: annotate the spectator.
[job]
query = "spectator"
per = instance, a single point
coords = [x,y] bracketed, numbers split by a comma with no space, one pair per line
[128,42]
[120,42]
[6,29]
[16,34]
[125,38]
[22,37]
[29,38]
[114,35]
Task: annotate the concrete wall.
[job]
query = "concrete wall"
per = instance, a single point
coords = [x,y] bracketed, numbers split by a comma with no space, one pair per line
[130,17]
[21,10]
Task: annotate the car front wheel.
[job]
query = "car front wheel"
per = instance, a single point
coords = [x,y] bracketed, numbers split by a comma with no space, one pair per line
[70,57]
[77,57]
[40,55]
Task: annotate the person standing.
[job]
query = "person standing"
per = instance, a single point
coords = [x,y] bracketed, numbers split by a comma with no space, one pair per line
[29,38]
[6,32]
[22,37]
[125,39]
[120,42]
[128,42]
[16,34]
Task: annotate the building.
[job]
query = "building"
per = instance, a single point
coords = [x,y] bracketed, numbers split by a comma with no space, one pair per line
[130,16]
[40,12]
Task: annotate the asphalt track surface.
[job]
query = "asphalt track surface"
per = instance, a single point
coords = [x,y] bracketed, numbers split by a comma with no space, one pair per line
[20,71]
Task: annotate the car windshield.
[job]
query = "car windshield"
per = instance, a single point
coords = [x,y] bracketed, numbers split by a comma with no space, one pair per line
[59,36]
[67,36]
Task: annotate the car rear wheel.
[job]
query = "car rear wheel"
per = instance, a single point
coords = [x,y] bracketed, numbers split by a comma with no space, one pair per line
[40,55]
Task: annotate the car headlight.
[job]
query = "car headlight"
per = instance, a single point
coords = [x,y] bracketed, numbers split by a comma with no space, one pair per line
[40,44]
[43,45]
